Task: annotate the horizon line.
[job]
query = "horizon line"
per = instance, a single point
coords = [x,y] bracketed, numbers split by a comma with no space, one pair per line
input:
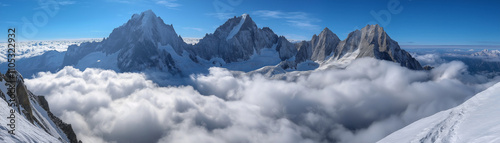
[401,45]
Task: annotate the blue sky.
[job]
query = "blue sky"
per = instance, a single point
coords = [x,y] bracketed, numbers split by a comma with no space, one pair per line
[412,22]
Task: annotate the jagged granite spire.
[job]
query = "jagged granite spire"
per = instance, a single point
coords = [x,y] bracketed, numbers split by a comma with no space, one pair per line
[323,45]
[373,41]
[137,45]
[236,40]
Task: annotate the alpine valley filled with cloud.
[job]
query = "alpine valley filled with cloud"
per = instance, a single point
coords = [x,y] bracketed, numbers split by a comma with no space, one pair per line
[243,82]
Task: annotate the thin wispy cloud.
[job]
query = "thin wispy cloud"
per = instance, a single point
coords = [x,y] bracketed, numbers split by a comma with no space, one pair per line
[193,28]
[296,37]
[60,3]
[221,15]
[66,2]
[122,1]
[296,19]
[169,3]
[488,42]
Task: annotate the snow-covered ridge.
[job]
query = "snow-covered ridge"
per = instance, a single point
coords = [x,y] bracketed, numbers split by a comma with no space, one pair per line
[194,41]
[25,131]
[487,53]
[237,28]
[136,46]
[30,117]
[474,121]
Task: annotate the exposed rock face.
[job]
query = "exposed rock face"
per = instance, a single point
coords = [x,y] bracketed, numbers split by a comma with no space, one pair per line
[428,68]
[323,45]
[137,43]
[286,49]
[137,46]
[373,41]
[304,51]
[23,95]
[319,48]
[65,127]
[236,40]
[28,105]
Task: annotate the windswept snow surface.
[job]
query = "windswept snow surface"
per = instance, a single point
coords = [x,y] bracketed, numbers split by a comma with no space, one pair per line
[475,121]
[24,130]
[98,60]
[237,28]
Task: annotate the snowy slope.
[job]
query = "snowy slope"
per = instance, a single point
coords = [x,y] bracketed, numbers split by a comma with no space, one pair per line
[33,120]
[475,121]
[25,131]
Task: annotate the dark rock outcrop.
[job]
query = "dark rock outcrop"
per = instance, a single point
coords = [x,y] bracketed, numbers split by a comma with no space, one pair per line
[65,127]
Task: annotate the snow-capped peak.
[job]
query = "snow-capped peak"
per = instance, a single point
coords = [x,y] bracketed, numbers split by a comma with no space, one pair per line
[487,53]
[146,18]
[237,28]
[244,16]
[145,14]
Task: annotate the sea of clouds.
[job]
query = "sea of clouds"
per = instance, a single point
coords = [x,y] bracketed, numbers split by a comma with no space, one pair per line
[362,103]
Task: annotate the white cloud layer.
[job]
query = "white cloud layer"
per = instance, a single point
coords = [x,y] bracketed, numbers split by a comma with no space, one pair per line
[429,59]
[362,103]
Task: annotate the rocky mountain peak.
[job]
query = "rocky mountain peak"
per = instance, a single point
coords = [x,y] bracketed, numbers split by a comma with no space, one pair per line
[326,31]
[235,40]
[147,20]
[323,45]
[374,31]
[373,41]
[234,25]
[148,14]
[138,44]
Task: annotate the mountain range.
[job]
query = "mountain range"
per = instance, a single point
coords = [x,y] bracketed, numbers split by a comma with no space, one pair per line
[145,42]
